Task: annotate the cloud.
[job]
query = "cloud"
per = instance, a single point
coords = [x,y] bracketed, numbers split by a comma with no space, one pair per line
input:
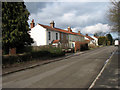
[96,28]
[35,7]
[82,16]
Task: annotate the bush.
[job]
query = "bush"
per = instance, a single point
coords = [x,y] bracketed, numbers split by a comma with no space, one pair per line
[9,59]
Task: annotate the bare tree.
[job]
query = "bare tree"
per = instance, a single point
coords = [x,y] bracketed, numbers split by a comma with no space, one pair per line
[114,15]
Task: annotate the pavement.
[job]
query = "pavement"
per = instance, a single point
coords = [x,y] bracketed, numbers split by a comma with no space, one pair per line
[111,75]
[75,72]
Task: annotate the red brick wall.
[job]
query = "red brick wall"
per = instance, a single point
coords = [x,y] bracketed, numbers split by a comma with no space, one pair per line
[79,44]
[12,51]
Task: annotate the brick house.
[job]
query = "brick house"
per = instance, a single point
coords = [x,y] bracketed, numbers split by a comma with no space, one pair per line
[46,35]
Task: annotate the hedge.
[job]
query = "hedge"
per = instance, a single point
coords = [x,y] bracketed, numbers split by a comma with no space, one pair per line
[49,52]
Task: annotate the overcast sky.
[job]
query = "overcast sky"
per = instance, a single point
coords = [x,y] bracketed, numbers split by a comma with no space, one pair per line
[88,17]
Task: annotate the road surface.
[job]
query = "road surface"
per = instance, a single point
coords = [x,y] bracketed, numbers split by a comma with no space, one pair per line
[110,76]
[74,72]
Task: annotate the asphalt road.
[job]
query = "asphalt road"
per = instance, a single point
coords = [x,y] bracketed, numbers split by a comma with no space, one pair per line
[75,72]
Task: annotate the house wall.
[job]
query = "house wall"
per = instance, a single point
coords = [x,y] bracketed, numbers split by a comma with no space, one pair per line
[52,36]
[95,40]
[74,38]
[91,41]
[38,34]
[64,40]
[86,38]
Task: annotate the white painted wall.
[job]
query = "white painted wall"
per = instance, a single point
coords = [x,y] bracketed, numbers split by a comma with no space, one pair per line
[53,36]
[38,33]
[91,42]
[95,40]
[86,38]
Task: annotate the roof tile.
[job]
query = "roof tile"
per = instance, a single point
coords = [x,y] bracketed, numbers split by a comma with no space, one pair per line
[60,30]
[90,37]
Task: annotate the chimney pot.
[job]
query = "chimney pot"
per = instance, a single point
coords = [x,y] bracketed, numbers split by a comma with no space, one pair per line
[52,24]
[69,29]
[79,31]
[32,24]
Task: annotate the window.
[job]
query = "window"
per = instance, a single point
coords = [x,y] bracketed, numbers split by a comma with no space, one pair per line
[56,36]
[49,36]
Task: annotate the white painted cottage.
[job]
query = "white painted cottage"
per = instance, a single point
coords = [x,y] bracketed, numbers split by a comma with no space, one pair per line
[42,35]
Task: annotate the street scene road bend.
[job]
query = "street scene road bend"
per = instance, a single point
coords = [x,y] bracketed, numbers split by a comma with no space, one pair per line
[60,44]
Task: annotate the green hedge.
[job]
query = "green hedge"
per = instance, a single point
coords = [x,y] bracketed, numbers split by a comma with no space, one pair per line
[48,52]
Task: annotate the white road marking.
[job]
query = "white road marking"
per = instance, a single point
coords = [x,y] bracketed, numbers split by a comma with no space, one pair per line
[93,83]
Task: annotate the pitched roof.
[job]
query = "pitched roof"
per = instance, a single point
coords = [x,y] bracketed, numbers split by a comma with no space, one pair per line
[60,30]
[90,37]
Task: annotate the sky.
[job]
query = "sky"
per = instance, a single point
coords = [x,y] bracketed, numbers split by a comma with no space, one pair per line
[88,17]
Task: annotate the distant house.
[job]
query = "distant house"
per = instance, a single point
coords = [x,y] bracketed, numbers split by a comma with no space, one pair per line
[50,35]
[89,39]
[95,39]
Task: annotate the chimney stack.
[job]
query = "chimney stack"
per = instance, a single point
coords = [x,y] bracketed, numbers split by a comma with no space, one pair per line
[32,24]
[79,32]
[52,24]
[86,34]
[69,29]
[94,35]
